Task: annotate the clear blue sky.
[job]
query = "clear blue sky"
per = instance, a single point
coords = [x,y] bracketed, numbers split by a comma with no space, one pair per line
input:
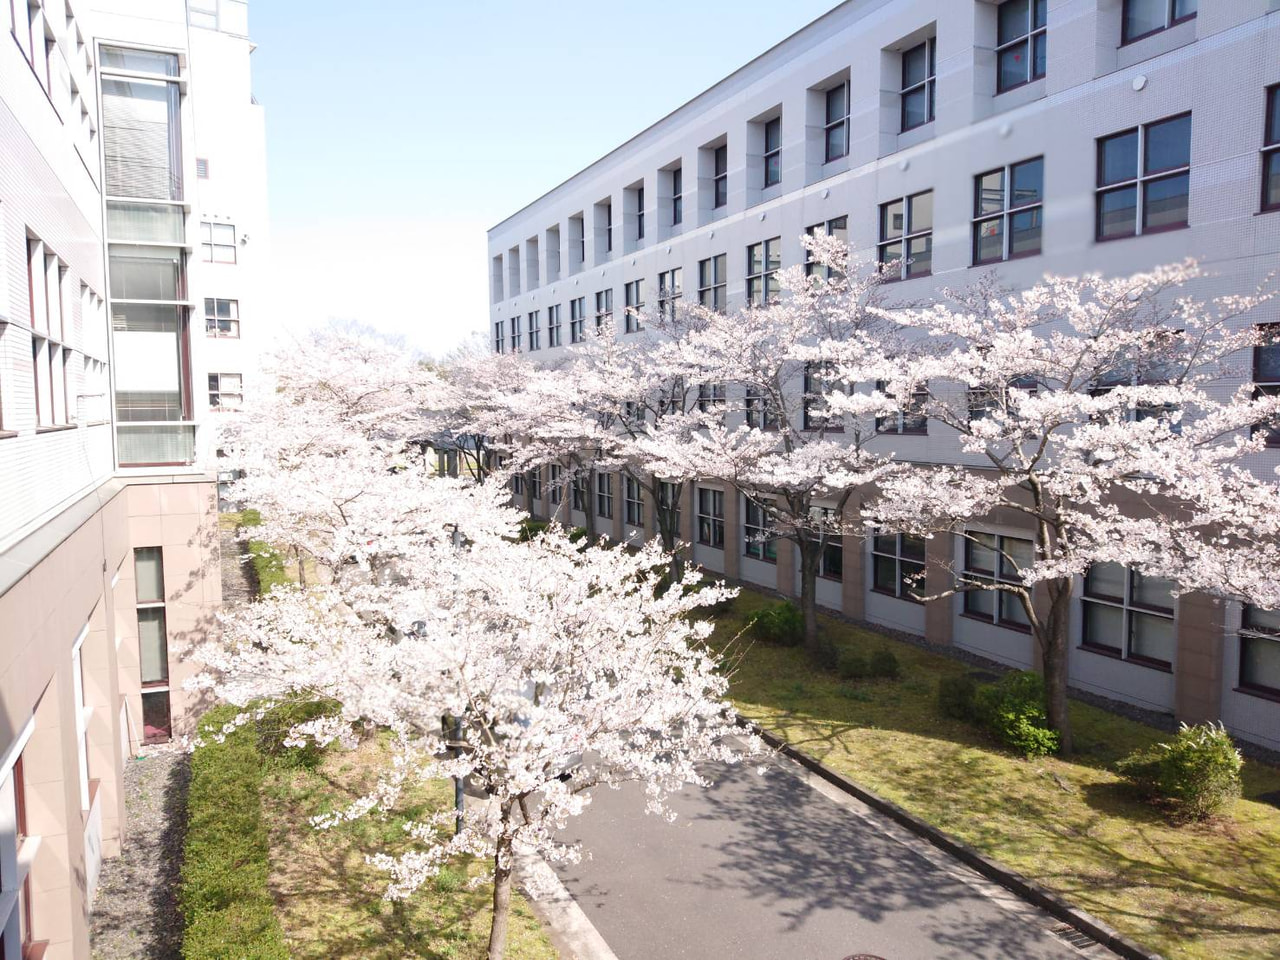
[398,131]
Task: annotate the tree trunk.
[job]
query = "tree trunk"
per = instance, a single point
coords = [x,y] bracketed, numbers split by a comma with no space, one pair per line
[814,642]
[1053,650]
[503,868]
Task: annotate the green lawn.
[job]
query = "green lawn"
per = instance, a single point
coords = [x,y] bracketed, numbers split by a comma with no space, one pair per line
[329,901]
[1202,891]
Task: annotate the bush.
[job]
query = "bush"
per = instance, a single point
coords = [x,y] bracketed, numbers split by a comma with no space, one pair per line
[1014,710]
[275,726]
[268,565]
[530,528]
[852,665]
[956,697]
[884,664]
[577,533]
[781,624]
[1196,774]
[250,517]
[227,907]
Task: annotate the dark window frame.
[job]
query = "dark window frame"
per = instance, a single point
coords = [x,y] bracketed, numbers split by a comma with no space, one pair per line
[773,171]
[1007,213]
[999,574]
[1270,145]
[677,196]
[1170,20]
[1033,36]
[714,294]
[1251,633]
[756,542]
[928,84]
[841,122]
[900,589]
[1139,182]
[710,517]
[904,238]
[577,319]
[1128,607]
[720,176]
[836,226]
[1267,331]
[633,300]
[762,286]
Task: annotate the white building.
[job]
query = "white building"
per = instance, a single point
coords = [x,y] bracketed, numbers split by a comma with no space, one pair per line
[1025,136]
[126,126]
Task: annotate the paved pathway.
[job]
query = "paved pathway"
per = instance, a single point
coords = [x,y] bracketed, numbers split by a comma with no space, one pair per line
[784,867]
[238,582]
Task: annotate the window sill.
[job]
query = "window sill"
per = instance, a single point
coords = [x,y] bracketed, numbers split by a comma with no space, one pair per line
[772,560]
[830,579]
[6,434]
[1101,651]
[1262,693]
[56,428]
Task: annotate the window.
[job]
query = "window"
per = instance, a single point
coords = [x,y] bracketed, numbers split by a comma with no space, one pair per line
[817,384]
[837,227]
[1260,650]
[911,419]
[836,126]
[897,560]
[153,643]
[711,517]
[634,296]
[555,484]
[202,168]
[669,291]
[669,503]
[672,400]
[632,505]
[217,242]
[757,540]
[604,495]
[982,401]
[221,318]
[578,239]
[517,484]
[763,262]
[1266,373]
[639,213]
[608,227]
[991,558]
[51,323]
[16,846]
[553,326]
[226,391]
[499,336]
[906,227]
[720,180]
[535,484]
[711,397]
[1142,18]
[712,282]
[1271,152]
[1128,615]
[604,307]
[577,319]
[1007,212]
[1144,178]
[918,69]
[1021,42]
[831,561]
[677,196]
[761,413]
[516,334]
[580,492]
[773,152]
[535,330]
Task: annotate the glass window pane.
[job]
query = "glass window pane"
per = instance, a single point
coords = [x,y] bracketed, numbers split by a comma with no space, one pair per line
[1273,115]
[155,716]
[1105,580]
[148,574]
[1103,626]
[224,233]
[981,549]
[891,252]
[988,240]
[143,273]
[837,141]
[836,109]
[915,108]
[1152,638]
[1168,145]
[1118,213]
[1019,555]
[145,222]
[1024,237]
[1152,591]
[1040,55]
[891,220]
[911,586]
[140,61]
[1143,16]
[919,256]
[885,543]
[208,306]
[755,258]
[980,603]
[915,65]
[1271,179]
[1184,8]
[153,654]
[920,213]
[989,195]
[886,574]
[773,254]
[1028,182]
[140,140]
[1164,202]
[1260,662]
[1014,17]
[1012,610]
[1041,13]
[913,547]
[1013,66]
[1267,355]
[1118,158]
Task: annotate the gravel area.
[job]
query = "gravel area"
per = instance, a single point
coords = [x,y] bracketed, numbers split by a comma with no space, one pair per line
[135,913]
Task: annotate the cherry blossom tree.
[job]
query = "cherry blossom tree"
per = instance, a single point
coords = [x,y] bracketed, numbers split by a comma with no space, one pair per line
[1106,414]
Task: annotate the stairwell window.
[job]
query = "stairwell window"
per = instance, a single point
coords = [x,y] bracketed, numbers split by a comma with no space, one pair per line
[1008,212]
[1271,152]
[1021,42]
[1144,179]
[773,152]
[919,66]
[1128,615]
[905,249]
[711,517]
[836,127]
[1142,18]
[153,644]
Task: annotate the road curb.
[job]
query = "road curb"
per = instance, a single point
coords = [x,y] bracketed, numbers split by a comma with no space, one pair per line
[1011,880]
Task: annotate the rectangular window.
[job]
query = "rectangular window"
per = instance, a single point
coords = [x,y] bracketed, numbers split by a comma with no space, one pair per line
[633,294]
[604,495]
[608,227]
[669,503]
[836,227]
[711,397]
[897,562]
[677,196]
[535,330]
[1271,152]
[1266,373]
[580,491]
[1128,615]
[1142,18]
[1144,179]
[577,319]
[535,484]
[632,505]
[831,561]
[817,384]
[1021,42]
[919,66]
[578,239]
[553,325]
[141,134]
[221,318]
[711,517]
[761,412]
[905,249]
[763,262]
[499,336]
[217,242]
[555,484]
[991,559]
[517,335]
[712,282]
[639,213]
[836,123]
[773,152]
[226,391]
[720,180]
[670,289]
[604,307]
[156,725]
[153,642]
[202,168]
[911,419]
[757,541]
[1008,212]
[1260,650]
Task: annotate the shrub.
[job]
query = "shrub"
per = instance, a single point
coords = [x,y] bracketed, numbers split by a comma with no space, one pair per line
[275,726]
[1013,709]
[577,533]
[250,517]
[956,697]
[268,565]
[884,664]
[1196,774]
[781,624]
[852,665]
[530,528]
[227,907]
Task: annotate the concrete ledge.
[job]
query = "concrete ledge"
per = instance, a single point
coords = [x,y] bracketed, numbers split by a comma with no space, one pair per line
[1025,888]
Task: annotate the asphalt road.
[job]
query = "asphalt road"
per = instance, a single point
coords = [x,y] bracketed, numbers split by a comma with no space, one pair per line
[766,867]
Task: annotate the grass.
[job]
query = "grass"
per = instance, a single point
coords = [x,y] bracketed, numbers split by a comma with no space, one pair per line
[1189,892]
[269,564]
[329,901]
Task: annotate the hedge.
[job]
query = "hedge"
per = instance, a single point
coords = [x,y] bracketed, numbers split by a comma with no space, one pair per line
[228,913]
